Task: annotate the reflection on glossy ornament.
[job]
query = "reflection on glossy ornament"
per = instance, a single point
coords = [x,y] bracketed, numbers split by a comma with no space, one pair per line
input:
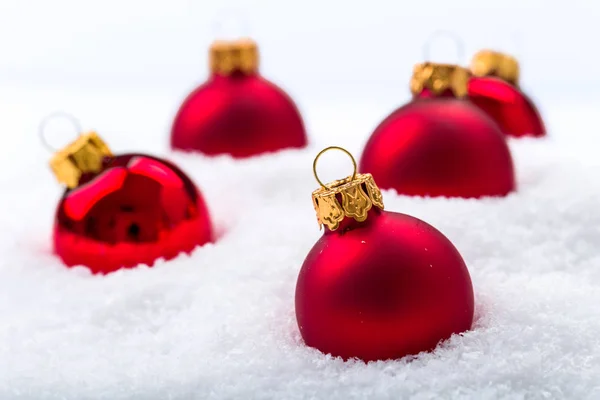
[378,285]
[121,211]
[440,144]
[237,111]
[494,88]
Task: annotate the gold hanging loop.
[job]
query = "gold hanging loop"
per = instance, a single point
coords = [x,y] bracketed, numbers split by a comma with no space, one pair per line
[326,150]
[458,44]
[350,197]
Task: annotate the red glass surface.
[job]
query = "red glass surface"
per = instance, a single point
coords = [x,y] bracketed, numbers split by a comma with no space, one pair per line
[440,147]
[138,209]
[428,94]
[241,115]
[382,289]
[512,110]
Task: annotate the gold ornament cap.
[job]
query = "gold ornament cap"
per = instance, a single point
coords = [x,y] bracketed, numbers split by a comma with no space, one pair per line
[85,155]
[495,63]
[351,197]
[229,56]
[438,78]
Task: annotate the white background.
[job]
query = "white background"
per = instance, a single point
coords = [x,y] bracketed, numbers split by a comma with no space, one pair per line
[315,49]
[124,66]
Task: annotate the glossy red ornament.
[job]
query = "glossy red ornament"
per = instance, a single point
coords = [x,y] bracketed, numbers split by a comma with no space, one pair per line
[136,209]
[384,288]
[507,105]
[494,88]
[440,145]
[237,111]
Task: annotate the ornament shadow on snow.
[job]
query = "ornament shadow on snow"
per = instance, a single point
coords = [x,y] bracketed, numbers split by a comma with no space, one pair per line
[378,285]
[237,111]
[119,211]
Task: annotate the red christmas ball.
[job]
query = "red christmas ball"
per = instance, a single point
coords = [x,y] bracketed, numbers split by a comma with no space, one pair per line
[386,287]
[237,111]
[494,89]
[507,105]
[439,144]
[133,210]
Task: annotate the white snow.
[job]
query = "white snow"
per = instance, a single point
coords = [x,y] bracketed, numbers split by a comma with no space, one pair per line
[220,323]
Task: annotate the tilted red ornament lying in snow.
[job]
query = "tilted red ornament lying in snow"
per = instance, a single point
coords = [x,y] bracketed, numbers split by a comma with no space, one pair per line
[494,88]
[237,111]
[121,211]
[440,144]
[378,285]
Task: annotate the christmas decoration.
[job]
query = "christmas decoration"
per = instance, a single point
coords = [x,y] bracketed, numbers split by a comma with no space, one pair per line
[440,144]
[237,111]
[494,88]
[119,211]
[378,285]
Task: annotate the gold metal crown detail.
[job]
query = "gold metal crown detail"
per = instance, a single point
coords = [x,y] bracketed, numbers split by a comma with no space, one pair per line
[85,155]
[494,63]
[439,78]
[227,57]
[358,195]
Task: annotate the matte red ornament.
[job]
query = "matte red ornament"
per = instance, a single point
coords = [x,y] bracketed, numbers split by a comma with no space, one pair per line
[494,89]
[131,210]
[440,144]
[237,111]
[382,288]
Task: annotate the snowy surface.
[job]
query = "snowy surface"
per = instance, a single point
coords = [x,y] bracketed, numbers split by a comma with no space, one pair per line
[220,324]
